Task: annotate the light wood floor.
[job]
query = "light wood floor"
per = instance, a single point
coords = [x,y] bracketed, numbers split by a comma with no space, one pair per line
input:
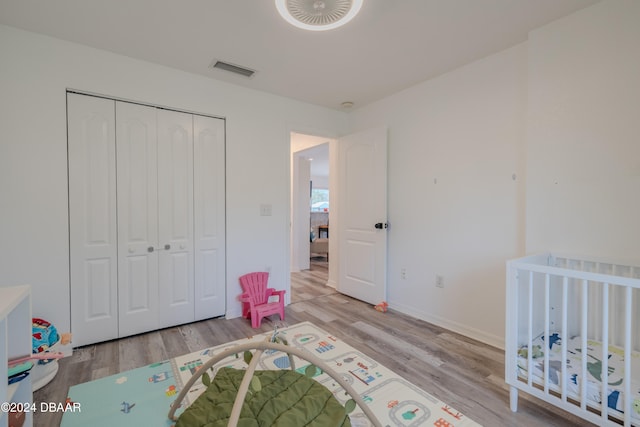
[460,371]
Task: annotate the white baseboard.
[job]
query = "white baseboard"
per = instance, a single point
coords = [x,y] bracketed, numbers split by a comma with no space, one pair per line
[468,331]
[232,314]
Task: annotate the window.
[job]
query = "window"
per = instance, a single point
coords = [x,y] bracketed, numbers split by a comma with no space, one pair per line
[319,200]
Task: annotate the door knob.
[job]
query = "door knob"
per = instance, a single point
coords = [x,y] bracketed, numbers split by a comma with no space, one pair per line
[381,225]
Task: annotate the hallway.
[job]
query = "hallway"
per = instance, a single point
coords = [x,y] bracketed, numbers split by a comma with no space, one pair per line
[310,284]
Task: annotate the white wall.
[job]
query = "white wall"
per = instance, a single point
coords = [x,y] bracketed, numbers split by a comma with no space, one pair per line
[583,148]
[561,111]
[454,208]
[34,75]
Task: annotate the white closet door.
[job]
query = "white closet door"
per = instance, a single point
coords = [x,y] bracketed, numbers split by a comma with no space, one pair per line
[92,218]
[209,216]
[175,218]
[137,175]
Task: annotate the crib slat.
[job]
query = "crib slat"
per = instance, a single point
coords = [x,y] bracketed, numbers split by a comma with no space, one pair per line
[583,345]
[530,332]
[565,337]
[627,356]
[605,352]
[512,327]
[547,322]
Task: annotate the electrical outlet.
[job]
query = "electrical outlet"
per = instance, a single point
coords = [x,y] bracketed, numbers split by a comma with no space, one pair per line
[439,281]
[403,273]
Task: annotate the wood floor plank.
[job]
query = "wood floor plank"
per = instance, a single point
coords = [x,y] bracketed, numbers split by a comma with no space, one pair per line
[399,344]
[106,357]
[319,313]
[153,347]
[131,352]
[462,372]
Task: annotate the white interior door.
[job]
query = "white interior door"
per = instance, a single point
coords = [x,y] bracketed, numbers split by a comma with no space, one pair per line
[209,217]
[137,182]
[92,219]
[362,196]
[175,218]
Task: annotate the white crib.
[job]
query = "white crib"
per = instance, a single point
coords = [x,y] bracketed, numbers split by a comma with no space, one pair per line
[556,307]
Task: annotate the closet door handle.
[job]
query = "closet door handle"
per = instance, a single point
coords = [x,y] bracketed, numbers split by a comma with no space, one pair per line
[165,248]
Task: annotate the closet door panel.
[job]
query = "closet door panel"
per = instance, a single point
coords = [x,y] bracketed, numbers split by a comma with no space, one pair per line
[209,217]
[92,218]
[137,174]
[175,216]
[97,304]
[139,284]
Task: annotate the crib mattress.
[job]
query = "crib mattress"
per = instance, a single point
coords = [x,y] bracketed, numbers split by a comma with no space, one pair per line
[615,389]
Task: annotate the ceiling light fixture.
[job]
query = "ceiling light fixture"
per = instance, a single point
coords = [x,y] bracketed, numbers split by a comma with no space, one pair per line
[318,15]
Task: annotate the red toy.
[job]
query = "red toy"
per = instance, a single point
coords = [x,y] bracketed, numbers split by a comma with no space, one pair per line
[382,307]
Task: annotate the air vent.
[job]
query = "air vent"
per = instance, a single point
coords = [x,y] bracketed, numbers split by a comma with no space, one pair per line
[246,72]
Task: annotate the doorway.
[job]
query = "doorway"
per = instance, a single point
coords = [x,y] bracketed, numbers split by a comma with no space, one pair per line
[357,216]
[311,207]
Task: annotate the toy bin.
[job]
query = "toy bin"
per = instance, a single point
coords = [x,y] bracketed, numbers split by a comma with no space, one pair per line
[45,339]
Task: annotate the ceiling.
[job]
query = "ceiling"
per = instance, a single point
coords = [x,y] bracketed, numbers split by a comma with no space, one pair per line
[389,46]
[314,148]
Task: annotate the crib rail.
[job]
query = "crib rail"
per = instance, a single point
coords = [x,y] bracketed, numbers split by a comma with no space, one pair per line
[574,297]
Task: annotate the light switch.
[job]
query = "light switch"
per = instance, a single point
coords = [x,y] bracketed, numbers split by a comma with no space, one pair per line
[265,210]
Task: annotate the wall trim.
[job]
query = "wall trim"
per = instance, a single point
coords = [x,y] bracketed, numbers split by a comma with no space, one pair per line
[492,340]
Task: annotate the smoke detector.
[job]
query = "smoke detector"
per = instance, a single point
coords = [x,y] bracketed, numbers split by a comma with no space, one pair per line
[318,15]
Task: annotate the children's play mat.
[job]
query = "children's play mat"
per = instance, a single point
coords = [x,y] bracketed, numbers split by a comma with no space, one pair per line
[142,397]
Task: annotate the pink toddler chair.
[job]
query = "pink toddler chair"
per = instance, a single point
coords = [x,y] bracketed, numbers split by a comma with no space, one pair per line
[255,299]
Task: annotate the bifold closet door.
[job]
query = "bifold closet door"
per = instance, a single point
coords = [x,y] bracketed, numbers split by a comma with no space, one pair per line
[209,217]
[175,218]
[147,218]
[137,197]
[93,252]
